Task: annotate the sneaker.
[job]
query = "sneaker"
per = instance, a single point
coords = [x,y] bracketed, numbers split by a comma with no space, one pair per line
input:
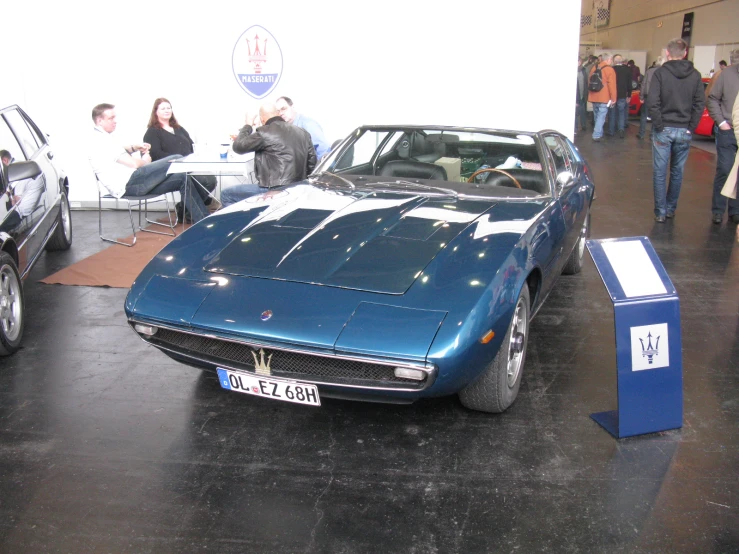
[596,139]
[670,215]
[621,133]
[717,219]
[659,218]
[734,218]
[640,137]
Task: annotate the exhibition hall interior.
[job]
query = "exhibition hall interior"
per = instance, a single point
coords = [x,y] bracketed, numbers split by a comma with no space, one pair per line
[283,280]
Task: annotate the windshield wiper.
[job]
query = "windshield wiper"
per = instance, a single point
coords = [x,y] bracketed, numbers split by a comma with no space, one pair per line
[418,185]
[339,177]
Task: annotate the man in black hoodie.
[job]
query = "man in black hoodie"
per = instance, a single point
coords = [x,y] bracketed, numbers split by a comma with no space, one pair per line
[675,104]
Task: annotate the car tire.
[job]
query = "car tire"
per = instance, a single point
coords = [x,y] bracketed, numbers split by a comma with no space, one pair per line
[496,389]
[11,306]
[574,262]
[62,237]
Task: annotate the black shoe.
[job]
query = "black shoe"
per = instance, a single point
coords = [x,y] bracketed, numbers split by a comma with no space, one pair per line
[670,215]
[734,219]
[716,218]
[584,129]
[640,136]
[659,218]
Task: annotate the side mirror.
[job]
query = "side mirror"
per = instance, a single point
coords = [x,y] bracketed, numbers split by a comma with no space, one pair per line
[23,170]
[565,179]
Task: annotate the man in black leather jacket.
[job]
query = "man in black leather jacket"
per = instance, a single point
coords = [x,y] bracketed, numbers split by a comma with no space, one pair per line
[284,154]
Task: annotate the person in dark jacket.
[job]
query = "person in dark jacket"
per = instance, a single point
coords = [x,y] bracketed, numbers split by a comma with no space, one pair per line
[623,95]
[284,154]
[720,101]
[581,97]
[167,137]
[675,103]
[644,94]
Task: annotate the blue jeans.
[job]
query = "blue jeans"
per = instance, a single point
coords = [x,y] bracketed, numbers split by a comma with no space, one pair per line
[153,179]
[671,145]
[233,194]
[725,153]
[619,112]
[600,111]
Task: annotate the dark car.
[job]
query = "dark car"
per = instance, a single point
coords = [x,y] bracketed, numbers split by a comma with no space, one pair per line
[34,214]
[408,265]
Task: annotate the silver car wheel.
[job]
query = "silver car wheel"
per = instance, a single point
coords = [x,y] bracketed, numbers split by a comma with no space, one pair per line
[583,238]
[516,346]
[66,219]
[11,309]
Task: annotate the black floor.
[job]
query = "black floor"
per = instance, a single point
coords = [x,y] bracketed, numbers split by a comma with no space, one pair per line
[106,445]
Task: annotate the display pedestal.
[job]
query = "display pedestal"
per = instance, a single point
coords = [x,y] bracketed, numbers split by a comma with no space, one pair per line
[648,338]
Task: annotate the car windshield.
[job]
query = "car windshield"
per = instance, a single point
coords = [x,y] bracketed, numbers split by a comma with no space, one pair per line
[462,161]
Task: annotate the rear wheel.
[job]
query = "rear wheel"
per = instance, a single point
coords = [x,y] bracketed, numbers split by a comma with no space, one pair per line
[574,262]
[11,306]
[497,388]
[62,237]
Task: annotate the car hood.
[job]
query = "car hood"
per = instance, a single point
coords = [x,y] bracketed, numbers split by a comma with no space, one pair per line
[363,240]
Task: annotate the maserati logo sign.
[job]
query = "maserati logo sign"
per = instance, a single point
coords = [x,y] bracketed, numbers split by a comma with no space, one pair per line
[257,61]
[649,347]
[260,366]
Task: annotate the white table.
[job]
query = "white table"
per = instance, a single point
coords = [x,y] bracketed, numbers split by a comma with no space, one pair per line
[210,163]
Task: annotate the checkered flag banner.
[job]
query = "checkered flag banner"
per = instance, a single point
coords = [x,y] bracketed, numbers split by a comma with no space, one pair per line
[586,20]
[602,12]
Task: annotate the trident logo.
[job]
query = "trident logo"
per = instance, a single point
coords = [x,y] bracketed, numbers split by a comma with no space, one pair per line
[257,56]
[260,367]
[650,351]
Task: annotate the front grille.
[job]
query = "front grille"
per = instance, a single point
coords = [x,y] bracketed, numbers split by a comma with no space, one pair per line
[291,365]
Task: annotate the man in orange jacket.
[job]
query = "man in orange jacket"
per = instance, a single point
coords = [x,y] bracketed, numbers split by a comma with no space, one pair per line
[604,98]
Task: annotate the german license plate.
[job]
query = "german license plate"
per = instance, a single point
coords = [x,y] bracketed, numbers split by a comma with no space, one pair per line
[269,387]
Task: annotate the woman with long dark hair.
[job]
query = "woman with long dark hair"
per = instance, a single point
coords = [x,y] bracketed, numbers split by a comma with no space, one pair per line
[166,137]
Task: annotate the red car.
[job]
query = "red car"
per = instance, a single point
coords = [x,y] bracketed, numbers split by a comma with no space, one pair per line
[705,126]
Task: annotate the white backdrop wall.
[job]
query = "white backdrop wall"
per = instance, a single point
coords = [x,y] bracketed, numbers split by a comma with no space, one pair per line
[508,65]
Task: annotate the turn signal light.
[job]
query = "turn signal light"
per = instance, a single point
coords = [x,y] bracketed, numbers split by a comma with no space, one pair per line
[147,330]
[487,337]
[406,373]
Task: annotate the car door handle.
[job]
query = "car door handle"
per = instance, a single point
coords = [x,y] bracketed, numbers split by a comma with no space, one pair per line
[50,155]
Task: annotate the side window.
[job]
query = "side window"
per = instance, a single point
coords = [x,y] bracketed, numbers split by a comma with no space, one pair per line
[29,140]
[361,152]
[559,154]
[10,144]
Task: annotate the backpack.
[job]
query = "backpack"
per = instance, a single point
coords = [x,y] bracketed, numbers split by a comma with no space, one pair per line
[595,83]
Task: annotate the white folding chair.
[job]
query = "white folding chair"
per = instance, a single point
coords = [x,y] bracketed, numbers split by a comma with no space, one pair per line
[104,194]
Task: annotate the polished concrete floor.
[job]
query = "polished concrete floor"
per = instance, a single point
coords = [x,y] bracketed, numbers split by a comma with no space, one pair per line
[107,445]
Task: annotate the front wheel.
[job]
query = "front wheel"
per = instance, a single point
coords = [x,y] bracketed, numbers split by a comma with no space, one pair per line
[574,262]
[497,387]
[11,306]
[62,237]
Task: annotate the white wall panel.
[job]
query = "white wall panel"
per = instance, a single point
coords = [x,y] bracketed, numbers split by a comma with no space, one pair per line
[496,64]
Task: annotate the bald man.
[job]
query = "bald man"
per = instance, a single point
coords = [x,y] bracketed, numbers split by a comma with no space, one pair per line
[284,154]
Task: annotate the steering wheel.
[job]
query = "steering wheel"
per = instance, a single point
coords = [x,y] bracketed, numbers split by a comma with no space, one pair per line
[490,170]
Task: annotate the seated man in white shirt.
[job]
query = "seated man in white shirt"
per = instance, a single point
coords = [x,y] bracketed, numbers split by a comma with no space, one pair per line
[124,174]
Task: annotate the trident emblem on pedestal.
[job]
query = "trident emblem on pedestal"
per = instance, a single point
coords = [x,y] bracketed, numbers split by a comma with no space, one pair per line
[650,351]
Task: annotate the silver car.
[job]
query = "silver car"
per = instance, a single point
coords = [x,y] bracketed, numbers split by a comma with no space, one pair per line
[34,214]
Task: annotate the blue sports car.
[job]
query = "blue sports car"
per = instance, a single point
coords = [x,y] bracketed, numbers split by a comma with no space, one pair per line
[408,265]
